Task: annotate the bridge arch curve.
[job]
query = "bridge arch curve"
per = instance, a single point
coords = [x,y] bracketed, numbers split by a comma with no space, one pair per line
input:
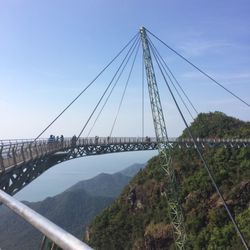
[21,162]
[29,162]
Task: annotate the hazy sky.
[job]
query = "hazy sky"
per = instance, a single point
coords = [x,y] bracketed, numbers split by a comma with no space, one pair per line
[50,50]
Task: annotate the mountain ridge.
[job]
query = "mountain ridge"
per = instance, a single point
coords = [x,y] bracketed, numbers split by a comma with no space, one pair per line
[111,183]
[72,209]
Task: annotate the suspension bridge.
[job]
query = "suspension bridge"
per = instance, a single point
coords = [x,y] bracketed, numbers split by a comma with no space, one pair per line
[22,161]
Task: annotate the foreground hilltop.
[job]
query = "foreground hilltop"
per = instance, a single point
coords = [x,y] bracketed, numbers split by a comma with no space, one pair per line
[138,218]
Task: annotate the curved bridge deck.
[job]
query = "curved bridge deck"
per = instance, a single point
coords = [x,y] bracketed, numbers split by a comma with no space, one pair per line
[21,161]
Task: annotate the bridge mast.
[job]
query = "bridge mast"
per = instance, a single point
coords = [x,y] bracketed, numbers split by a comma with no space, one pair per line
[174,208]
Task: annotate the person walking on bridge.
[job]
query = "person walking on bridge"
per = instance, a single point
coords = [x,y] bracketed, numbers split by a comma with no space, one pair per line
[73,141]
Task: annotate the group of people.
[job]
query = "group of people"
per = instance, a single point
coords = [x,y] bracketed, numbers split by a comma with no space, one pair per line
[74,139]
[53,139]
[60,139]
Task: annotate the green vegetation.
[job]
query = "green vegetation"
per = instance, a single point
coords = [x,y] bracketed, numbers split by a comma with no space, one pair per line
[138,218]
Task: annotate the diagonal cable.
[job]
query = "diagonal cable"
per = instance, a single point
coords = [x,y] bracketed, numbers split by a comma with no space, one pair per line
[161,61]
[200,70]
[204,161]
[124,91]
[143,98]
[135,42]
[171,73]
[134,37]
[164,64]
[110,93]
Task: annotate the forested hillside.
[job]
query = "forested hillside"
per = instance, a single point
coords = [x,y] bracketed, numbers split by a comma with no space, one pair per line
[138,218]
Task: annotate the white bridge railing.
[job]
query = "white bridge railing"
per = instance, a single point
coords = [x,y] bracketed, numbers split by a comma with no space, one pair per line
[14,152]
[53,232]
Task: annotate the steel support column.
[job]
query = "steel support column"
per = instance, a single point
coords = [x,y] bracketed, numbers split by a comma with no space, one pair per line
[174,208]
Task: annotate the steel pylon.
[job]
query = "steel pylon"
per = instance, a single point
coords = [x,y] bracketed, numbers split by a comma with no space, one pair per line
[174,209]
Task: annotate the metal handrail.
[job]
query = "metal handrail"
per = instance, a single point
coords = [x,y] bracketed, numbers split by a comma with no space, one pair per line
[16,153]
[58,235]
[12,142]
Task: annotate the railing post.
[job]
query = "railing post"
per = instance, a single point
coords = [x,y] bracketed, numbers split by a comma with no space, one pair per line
[45,148]
[9,155]
[43,244]
[36,149]
[42,148]
[22,153]
[30,151]
[1,159]
[14,156]
[39,149]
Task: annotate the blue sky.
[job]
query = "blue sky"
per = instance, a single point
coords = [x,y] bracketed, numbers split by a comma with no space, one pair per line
[50,50]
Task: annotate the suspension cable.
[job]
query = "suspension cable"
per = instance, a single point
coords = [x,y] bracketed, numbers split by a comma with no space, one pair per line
[133,38]
[200,70]
[133,45]
[156,54]
[124,91]
[204,161]
[171,73]
[110,93]
[143,99]
[165,64]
